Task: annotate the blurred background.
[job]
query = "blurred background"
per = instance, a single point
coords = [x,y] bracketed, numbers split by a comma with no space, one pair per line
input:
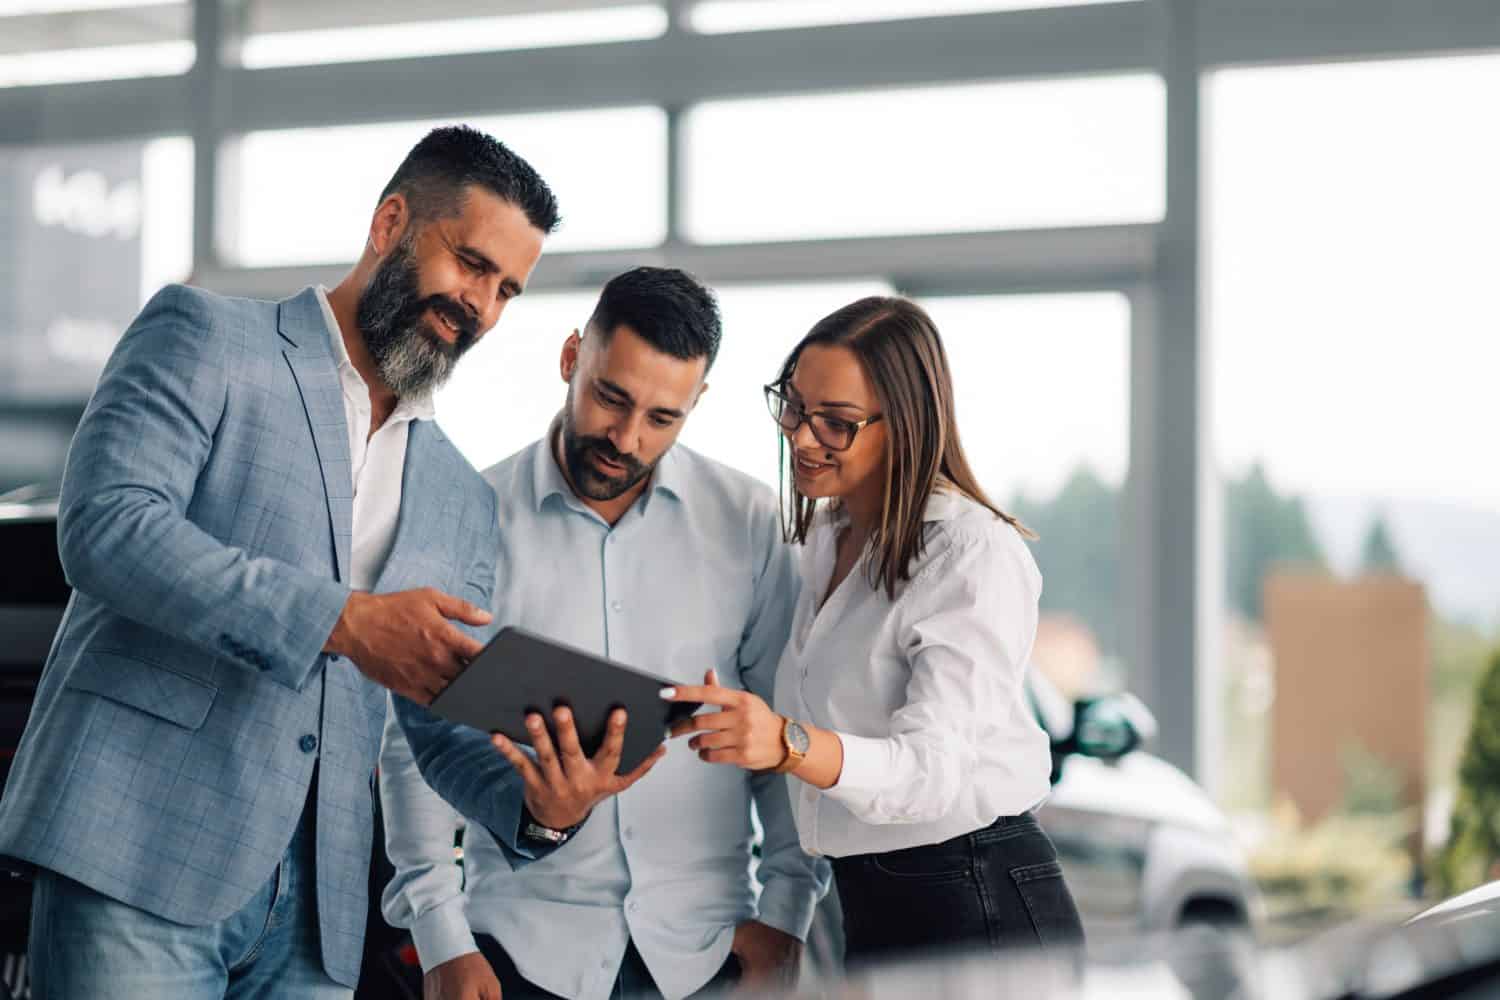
[1217,279]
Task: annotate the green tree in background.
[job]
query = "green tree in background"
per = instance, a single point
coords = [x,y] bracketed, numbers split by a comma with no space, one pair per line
[1474,832]
[1262,531]
[1378,553]
[1079,552]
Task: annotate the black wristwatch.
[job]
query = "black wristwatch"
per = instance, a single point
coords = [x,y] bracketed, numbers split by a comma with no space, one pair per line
[545,835]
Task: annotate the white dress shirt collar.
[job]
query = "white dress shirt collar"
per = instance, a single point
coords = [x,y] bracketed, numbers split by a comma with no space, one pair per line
[548,479]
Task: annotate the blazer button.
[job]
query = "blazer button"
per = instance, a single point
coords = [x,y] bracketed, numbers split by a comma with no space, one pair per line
[308,743]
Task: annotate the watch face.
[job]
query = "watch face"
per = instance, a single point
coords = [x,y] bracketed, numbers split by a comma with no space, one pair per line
[797,736]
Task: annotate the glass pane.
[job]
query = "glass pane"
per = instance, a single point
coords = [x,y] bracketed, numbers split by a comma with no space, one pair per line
[723,16]
[292,34]
[52,41]
[1354,310]
[762,323]
[87,234]
[1042,387]
[507,389]
[335,176]
[937,159]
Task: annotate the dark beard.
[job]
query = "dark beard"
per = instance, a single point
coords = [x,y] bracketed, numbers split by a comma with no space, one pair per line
[587,480]
[412,359]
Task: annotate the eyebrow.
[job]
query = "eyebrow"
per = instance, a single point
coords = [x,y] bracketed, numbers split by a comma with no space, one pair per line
[511,285]
[837,404]
[618,391]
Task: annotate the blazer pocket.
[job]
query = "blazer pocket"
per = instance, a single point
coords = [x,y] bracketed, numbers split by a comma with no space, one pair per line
[147,687]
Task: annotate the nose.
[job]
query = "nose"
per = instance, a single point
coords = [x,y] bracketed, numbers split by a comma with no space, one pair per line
[481,305]
[802,437]
[625,433]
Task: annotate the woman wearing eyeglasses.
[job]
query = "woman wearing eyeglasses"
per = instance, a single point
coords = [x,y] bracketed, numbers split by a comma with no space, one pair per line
[899,704]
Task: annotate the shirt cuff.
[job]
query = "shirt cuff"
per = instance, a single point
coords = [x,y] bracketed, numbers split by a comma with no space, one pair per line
[442,934]
[867,770]
[788,906]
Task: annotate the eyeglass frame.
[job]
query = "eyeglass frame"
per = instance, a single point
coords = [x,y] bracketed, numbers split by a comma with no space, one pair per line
[774,389]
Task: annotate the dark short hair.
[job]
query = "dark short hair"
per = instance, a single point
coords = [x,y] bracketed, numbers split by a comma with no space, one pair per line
[667,308]
[441,168]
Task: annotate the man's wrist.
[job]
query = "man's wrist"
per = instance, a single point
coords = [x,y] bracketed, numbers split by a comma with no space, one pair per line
[338,643]
[542,832]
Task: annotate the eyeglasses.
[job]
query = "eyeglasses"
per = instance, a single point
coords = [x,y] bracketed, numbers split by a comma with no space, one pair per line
[831,432]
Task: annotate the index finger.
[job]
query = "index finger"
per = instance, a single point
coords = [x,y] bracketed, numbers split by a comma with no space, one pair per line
[462,644]
[517,759]
[625,781]
[461,610]
[723,697]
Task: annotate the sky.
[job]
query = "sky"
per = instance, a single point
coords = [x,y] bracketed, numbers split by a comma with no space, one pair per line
[1350,304]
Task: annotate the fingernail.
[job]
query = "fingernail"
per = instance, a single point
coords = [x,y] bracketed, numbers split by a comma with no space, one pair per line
[668,694]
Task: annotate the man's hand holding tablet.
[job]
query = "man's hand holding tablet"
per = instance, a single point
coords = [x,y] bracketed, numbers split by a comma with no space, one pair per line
[519,679]
[562,785]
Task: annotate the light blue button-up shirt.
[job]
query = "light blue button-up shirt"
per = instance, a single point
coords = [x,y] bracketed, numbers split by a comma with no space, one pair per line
[695,575]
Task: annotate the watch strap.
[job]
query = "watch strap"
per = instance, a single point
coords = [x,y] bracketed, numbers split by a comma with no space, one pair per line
[534,830]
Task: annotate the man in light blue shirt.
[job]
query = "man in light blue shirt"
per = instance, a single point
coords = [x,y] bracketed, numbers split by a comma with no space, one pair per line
[615,541]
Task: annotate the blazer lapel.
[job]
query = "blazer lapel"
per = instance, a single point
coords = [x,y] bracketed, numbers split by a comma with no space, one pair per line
[316,373]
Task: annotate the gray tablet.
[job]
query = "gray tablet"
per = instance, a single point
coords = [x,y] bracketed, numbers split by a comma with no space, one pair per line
[521,672]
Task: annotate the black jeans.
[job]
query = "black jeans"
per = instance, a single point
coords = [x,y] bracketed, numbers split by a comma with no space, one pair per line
[998,888]
[634,981]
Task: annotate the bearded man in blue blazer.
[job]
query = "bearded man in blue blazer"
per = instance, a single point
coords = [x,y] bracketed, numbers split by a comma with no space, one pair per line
[265,532]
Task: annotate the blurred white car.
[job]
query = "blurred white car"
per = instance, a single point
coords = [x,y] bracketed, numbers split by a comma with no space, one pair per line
[1145,851]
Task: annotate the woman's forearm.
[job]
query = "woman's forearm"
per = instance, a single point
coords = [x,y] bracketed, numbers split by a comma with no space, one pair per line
[825,758]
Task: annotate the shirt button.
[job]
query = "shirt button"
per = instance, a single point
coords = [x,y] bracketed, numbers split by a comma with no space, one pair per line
[634,906]
[604,965]
[308,743]
[629,832]
[617,605]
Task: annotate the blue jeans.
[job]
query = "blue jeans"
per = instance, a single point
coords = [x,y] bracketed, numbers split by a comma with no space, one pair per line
[84,944]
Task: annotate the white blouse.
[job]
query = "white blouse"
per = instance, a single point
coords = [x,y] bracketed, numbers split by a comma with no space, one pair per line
[926,691]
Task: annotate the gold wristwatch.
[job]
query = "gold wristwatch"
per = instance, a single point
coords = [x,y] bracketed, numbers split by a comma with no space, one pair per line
[796,742]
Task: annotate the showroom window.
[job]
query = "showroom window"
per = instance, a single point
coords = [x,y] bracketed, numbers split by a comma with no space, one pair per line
[926,160]
[607,168]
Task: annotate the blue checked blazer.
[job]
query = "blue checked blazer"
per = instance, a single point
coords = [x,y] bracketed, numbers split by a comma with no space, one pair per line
[205,526]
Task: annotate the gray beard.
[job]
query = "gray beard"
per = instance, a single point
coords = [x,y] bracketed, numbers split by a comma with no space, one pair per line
[413,368]
[411,361]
